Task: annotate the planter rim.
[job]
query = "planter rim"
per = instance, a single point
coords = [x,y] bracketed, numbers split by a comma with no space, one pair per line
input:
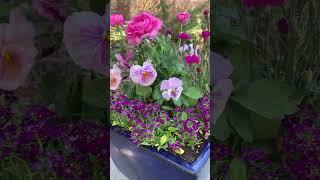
[192,167]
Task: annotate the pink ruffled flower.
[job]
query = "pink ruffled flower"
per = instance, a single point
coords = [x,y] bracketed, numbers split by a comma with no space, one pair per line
[172,88]
[17,50]
[142,26]
[183,17]
[144,75]
[116,20]
[115,77]
[192,57]
[184,36]
[205,35]
[50,9]
[85,38]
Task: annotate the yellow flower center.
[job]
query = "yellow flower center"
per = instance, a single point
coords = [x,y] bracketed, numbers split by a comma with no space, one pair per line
[7,58]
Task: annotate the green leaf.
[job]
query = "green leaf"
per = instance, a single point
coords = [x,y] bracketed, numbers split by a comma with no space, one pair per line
[172,129]
[144,91]
[169,108]
[193,92]
[95,92]
[221,129]
[156,93]
[163,140]
[184,116]
[178,102]
[145,143]
[268,98]
[238,170]
[265,128]
[240,120]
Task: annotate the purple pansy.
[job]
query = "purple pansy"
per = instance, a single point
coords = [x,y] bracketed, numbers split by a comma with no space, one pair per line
[85,38]
[144,75]
[172,88]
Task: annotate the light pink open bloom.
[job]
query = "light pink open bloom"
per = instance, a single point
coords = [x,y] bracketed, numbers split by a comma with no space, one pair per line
[17,50]
[85,38]
[115,77]
[172,88]
[141,26]
[144,75]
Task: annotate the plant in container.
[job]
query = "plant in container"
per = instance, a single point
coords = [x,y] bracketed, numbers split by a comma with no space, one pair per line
[159,106]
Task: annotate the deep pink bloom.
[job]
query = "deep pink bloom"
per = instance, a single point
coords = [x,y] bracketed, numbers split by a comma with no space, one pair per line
[192,59]
[184,35]
[17,50]
[116,20]
[205,34]
[183,17]
[144,75]
[206,12]
[142,26]
[85,38]
[50,9]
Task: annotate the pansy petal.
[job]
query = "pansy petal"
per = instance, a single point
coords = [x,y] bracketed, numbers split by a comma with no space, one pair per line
[85,41]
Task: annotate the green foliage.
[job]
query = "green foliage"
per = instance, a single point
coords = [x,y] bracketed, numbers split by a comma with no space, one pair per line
[238,170]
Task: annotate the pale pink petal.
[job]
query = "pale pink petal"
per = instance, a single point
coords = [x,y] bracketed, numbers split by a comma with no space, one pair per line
[166,95]
[84,37]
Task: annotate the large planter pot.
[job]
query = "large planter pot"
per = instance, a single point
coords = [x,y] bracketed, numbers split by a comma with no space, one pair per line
[146,163]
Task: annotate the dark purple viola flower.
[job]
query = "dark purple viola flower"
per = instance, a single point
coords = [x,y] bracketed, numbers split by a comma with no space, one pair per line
[190,125]
[220,152]
[184,36]
[175,146]
[283,26]
[38,113]
[5,114]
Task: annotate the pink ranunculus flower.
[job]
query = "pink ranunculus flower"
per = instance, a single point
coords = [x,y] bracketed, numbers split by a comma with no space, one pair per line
[50,9]
[115,77]
[85,38]
[144,75]
[183,17]
[172,88]
[116,20]
[142,26]
[17,50]
[192,57]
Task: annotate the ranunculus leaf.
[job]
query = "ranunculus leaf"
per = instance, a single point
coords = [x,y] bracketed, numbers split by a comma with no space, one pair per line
[268,98]
[238,169]
[193,92]
[144,91]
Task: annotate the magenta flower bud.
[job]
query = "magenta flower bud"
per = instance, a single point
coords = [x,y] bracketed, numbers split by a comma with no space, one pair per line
[206,12]
[116,20]
[184,35]
[205,34]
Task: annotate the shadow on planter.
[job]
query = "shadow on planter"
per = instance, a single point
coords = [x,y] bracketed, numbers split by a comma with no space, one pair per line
[147,163]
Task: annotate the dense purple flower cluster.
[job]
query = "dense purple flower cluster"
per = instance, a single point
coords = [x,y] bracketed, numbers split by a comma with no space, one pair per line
[301,143]
[221,157]
[145,120]
[70,149]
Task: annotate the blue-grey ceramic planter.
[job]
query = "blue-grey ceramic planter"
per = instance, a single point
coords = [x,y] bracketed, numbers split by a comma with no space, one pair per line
[146,163]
